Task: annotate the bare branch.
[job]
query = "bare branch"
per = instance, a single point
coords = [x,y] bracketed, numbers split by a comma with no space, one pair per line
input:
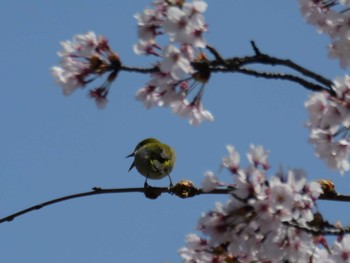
[95,191]
[255,48]
[151,193]
[270,75]
[183,189]
[262,58]
[139,70]
[302,76]
[216,54]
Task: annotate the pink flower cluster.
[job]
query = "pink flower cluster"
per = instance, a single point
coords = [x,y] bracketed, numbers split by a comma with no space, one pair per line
[183,23]
[328,20]
[259,222]
[82,61]
[329,122]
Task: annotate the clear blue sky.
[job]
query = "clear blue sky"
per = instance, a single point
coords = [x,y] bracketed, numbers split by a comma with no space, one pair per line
[52,145]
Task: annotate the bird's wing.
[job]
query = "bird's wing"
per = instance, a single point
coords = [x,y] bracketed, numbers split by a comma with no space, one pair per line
[163,163]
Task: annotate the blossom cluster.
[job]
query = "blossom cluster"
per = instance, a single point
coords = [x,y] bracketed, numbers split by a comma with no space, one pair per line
[180,75]
[324,15]
[84,59]
[183,23]
[329,122]
[264,219]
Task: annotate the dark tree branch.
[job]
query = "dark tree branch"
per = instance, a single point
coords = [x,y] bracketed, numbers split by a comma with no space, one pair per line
[289,63]
[95,191]
[255,48]
[216,54]
[238,64]
[305,77]
[273,61]
[152,192]
[335,197]
[183,189]
[316,231]
[270,75]
[139,70]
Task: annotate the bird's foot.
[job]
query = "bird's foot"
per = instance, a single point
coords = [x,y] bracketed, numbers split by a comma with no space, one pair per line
[171,188]
[151,192]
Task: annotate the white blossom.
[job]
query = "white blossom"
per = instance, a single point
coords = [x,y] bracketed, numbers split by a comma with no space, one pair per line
[257,155]
[253,226]
[175,63]
[82,45]
[184,25]
[341,250]
[233,160]
[329,123]
[333,23]
[210,182]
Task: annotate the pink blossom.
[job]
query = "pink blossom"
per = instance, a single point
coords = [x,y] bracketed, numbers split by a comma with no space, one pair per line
[329,123]
[175,63]
[83,59]
[257,155]
[253,226]
[232,161]
[331,22]
[184,25]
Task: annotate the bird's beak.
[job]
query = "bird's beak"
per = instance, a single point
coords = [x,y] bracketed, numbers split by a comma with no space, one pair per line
[130,155]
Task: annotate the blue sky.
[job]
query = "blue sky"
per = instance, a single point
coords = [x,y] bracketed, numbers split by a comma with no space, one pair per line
[53,145]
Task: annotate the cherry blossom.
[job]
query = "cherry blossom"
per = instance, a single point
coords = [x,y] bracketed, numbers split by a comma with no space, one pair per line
[232,161]
[177,81]
[175,64]
[70,75]
[341,250]
[197,250]
[210,182]
[82,46]
[329,123]
[194,112]
[258,156]
[258,223]
[84,59]
[331,21]
[321,256]
[184,24]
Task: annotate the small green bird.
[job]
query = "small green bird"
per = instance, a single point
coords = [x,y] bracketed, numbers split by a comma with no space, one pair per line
[153,159]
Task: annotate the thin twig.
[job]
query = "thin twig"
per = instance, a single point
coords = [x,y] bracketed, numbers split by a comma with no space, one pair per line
[255,48]
[216,54]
